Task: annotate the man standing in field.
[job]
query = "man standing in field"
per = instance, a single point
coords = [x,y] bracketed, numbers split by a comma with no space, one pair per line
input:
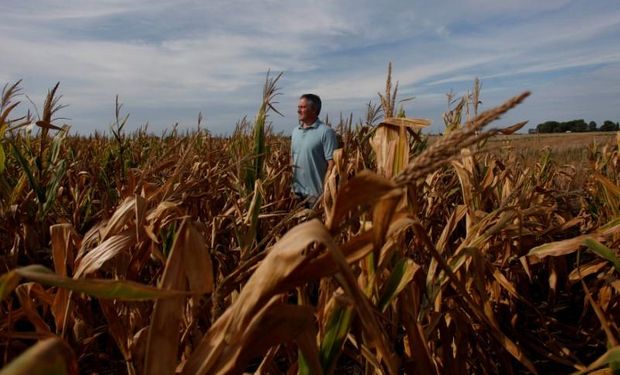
[312,148]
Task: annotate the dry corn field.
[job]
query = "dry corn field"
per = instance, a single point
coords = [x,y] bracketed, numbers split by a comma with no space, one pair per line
[185,253]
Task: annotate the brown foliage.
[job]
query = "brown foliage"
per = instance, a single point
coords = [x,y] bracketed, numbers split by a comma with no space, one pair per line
[463,262]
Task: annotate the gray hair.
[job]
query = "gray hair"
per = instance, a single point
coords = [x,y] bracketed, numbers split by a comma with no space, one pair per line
[314,100]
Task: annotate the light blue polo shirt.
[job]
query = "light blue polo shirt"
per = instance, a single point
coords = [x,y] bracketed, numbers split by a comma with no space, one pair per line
[311,149]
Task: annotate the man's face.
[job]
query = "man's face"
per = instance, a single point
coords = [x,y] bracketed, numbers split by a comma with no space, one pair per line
[305,112]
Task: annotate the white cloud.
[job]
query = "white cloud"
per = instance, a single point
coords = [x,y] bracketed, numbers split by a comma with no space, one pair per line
[172,59]
[55,11]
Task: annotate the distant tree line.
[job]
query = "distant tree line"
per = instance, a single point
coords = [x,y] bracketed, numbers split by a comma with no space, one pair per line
[576,126]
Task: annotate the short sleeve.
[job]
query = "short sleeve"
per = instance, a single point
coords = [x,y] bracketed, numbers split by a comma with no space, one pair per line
[330,143]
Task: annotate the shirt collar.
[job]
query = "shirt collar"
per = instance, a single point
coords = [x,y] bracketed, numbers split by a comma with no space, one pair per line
[313,126]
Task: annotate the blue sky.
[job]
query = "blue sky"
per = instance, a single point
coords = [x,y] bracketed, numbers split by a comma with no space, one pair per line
[170,60]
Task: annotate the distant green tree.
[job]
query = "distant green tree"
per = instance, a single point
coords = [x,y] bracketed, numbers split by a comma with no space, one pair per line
[609,126]
[547,127]
[592,126]
[559,127]
[576,126]
[581,126]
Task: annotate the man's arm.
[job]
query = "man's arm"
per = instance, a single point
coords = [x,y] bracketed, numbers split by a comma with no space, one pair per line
[330,144]
[330,166]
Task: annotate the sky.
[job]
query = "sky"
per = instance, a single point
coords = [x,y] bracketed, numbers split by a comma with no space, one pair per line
[168,61]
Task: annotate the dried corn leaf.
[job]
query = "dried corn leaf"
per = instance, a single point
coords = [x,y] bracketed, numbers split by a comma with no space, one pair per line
[189,264]
[418,344]
[365,188]
[276,323]
[391,146]
[47,357]
[413,123]
[62,251]
[28,300]
[612,340]
[47,125]
[571,245]
[277,273]
[107,250]
[467,190]
[271,324]
[355,249]
[120,218]
[163,338]
[382,217]
[585,270]
[197,262]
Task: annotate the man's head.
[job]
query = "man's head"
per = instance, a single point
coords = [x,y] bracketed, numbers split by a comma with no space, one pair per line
[308,108]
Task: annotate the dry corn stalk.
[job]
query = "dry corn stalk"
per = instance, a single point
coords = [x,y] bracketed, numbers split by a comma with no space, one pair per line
[391,143]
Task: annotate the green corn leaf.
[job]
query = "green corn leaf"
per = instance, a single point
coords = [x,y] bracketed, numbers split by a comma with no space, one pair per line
[611,226]
[52,188]
[56,145]
[304,368]
[102,288]
[336,330]
[259,148]
[252,218]
[603,251]
[8,282]
[402,274]
[610,358]
[2,158]
[26,167]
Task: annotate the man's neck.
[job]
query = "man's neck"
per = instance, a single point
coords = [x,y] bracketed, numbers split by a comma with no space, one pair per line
[309,124]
